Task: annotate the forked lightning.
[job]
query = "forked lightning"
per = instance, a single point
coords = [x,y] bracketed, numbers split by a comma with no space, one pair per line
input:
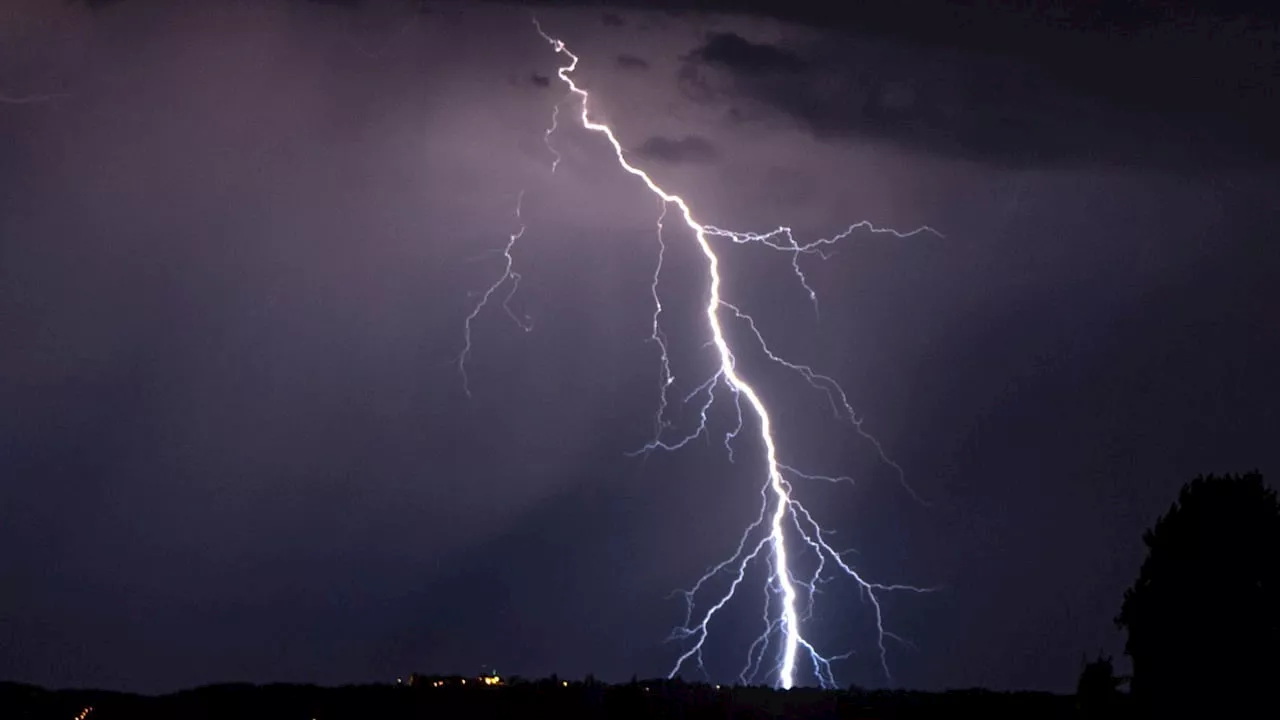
[789,596]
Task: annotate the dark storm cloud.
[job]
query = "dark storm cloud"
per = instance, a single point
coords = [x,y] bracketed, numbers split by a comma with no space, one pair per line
[745,58]
[632,62]
[968,24]
[687,149]
[1166,86]
[612,20]
[997,110]
[539,80]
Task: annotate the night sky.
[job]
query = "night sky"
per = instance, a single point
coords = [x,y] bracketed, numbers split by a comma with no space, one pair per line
[238,242]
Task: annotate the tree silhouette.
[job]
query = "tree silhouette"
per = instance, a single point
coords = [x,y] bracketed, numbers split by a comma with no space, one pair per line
[1202,616]
[1098,690]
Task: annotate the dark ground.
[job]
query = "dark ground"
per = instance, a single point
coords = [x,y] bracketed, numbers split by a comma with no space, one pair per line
[543,699]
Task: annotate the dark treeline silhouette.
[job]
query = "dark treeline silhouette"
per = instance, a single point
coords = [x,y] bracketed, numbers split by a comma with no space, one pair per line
[1203,618]
[541,699]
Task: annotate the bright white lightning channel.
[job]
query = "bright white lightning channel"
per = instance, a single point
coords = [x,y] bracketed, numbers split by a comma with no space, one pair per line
[782,618]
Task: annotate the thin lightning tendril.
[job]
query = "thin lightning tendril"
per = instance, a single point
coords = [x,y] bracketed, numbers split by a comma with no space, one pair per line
[508,273]
[657,336]
[546,139]
[789,599]
[6,99]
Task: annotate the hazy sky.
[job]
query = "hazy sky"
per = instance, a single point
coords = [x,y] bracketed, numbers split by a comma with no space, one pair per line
[238,242]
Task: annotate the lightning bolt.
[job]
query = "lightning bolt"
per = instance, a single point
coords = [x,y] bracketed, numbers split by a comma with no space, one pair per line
[789,596]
